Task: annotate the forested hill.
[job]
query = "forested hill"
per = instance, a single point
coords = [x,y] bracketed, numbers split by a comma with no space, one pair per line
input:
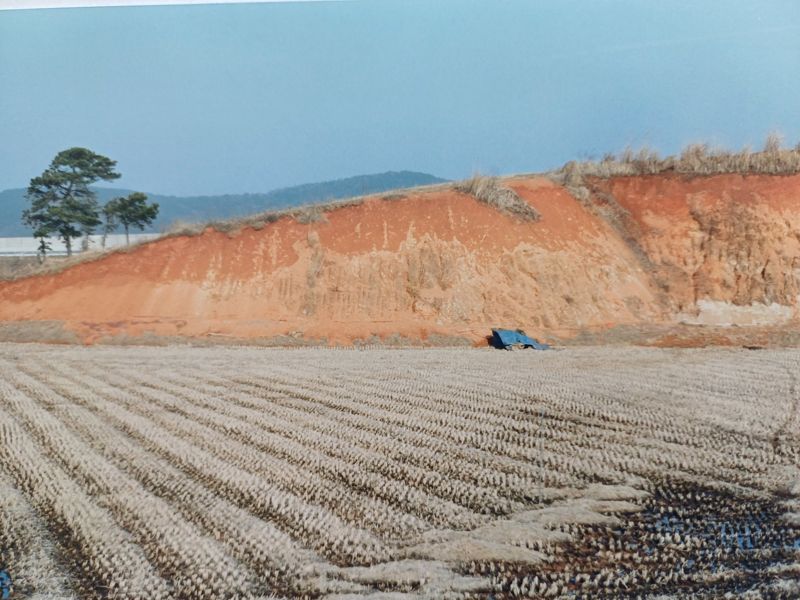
[206,208]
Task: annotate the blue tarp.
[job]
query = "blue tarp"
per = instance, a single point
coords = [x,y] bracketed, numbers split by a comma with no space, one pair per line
[5,585]
[508,338]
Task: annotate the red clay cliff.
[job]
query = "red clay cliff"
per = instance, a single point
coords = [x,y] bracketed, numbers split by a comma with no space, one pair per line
[641,252]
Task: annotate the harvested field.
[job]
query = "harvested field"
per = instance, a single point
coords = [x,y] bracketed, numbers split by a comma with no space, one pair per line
[206,473]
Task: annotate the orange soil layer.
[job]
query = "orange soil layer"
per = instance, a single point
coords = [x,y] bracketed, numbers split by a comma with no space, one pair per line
[642,250]
[731,238]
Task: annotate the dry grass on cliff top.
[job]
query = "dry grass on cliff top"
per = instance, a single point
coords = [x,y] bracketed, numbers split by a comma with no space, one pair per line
[694,159]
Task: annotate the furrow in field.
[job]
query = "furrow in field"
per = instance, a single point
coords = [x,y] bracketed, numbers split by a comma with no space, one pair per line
[619,450]
[678,428]
[279,562]
[694,388]
[314,452]
[489,449]
[109,561]
[641,402]
[316,527]
[496,402]
[445,460]
[474,393]
[453,404]
[318,478]
[27,549]
[197,566]
[270,553]
[678,425]
[334,414]
[587,439]
[355,446]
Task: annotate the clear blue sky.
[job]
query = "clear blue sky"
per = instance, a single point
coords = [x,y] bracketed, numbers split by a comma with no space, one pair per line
[246,98]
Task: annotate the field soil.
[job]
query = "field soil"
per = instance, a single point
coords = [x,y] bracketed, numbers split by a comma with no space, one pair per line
[186,473]
[662,255]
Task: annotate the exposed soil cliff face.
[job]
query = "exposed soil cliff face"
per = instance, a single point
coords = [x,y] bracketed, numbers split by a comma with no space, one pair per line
[642,251]
[710,240]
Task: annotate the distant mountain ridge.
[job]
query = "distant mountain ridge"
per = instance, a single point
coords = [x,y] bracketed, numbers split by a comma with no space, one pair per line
[208,208]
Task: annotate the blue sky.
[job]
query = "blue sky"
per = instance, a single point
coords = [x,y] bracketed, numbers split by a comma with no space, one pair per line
[245,98]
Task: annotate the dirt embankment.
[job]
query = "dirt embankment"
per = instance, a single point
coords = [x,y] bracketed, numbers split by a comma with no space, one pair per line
[725,249]
[642,254]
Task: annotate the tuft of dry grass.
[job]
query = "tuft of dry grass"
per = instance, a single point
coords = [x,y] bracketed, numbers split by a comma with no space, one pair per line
[310,214]
[490,191]
[394,196]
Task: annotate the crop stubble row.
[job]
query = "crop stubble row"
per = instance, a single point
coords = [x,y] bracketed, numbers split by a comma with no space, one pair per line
[195,473]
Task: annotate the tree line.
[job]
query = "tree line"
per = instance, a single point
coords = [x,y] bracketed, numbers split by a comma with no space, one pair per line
[64,205]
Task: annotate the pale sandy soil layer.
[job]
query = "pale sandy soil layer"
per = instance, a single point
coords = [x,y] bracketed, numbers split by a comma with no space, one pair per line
[208,473]
[641,258]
